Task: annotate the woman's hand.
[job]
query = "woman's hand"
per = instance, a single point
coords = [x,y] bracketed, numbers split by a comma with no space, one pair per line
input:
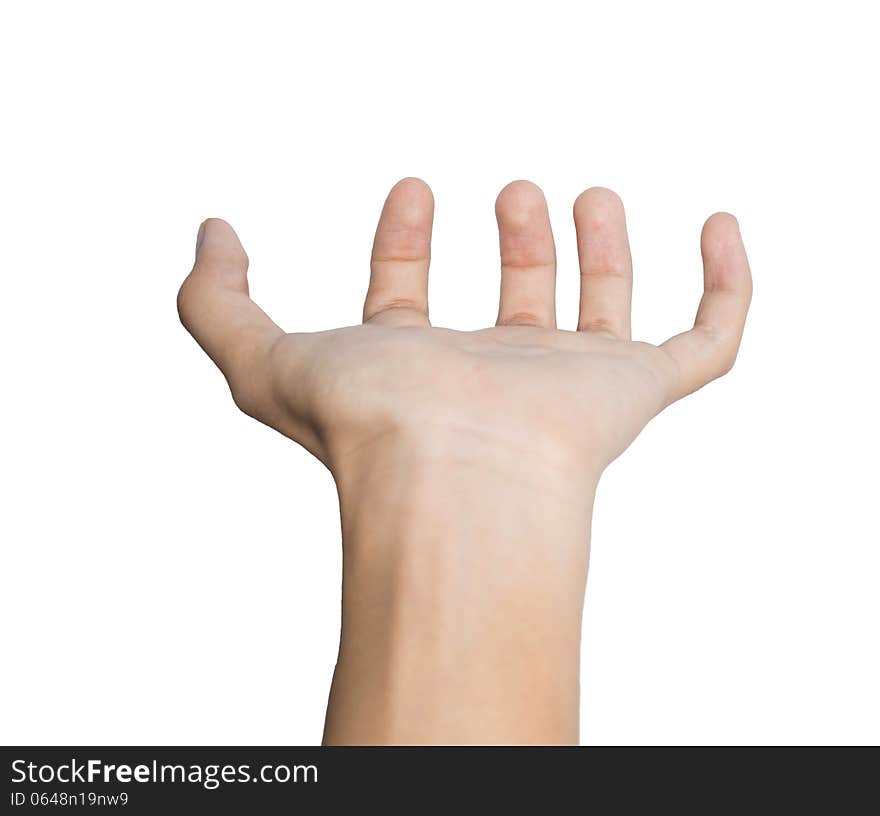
[466,462]
[523,383]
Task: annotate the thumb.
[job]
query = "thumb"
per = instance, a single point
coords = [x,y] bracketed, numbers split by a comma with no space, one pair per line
[216,309]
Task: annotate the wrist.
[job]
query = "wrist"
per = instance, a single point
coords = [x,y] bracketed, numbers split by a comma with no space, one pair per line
[467,509]
[464,572]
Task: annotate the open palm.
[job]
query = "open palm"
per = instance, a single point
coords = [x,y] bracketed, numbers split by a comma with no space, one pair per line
[574,396]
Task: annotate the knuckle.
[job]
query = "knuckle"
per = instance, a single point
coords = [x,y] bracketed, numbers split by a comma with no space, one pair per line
[252,384]
[724,351]
[601,268]
[521,318]
[416,304]
[185,302]
[375,306]
[245,397]
[722,345]
[600,325]
[726,361]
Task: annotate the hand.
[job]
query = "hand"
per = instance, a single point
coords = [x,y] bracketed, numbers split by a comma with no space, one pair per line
[466,462]
[523,384]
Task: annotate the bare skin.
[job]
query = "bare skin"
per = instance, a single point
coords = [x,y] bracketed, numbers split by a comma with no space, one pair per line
[466,462]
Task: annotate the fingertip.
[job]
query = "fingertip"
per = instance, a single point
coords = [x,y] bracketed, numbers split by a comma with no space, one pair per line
[407,217]
[519,201]
[720,229]
[217,242]
[597,201]
[724,254]
[414,184]
[217,229]
[410,201]
[723,216]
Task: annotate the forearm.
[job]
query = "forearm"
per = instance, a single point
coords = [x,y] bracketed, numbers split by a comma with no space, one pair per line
[462,598]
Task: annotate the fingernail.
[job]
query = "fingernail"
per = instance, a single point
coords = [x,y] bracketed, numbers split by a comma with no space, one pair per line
[200,237]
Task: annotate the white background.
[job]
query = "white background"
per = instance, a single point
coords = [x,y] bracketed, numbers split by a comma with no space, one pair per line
[170,568]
